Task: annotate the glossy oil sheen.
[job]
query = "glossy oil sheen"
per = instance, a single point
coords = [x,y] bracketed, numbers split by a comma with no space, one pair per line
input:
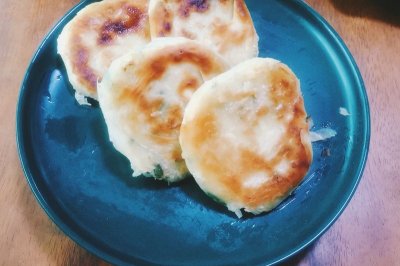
[85,187]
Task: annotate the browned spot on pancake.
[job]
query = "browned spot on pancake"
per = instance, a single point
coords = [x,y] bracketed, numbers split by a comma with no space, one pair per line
[189,6]
[203,133]
[113,28]
[155,67]
[171,120]
[224,32]
[278,185]
[282,91]
[161,119]
[206,129]
[163,21]
[262,111]
[220,29]
[291,149]
[242,11]
[224,2]
[234,184]
[167,27]
[177,154]
[188,84]
[86,75]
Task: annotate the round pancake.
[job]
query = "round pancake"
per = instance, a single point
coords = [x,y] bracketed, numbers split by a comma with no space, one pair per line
[98,34]
[245,138]
[143,97]
[224,25]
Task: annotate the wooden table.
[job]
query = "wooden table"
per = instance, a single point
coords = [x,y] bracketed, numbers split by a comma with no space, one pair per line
[367,233]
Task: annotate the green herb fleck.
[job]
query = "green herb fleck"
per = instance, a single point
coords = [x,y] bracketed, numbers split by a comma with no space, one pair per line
[158,172]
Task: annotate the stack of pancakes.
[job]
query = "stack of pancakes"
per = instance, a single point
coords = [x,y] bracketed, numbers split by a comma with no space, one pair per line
[183,93]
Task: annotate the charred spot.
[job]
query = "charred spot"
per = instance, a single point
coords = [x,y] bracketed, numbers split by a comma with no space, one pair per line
[167,27]
[199,4]
[117,27]
[189,6]
[105,38]
[111,29]
[164,21]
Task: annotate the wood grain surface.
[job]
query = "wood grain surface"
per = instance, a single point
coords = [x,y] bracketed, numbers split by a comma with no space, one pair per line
[367,233]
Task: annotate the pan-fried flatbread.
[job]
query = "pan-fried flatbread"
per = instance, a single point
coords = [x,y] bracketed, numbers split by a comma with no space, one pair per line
[245,138]
[98,34]
[143,97]
[224,25]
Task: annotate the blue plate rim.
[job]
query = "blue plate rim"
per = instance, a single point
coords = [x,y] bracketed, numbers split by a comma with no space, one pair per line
[67,230]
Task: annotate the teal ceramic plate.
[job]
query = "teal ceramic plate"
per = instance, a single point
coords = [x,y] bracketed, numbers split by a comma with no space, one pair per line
[85,187]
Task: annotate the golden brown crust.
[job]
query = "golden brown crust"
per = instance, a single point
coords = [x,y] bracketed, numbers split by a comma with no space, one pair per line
[163,21]
[132,20]
[80,66]
[241,11]
[188,84]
